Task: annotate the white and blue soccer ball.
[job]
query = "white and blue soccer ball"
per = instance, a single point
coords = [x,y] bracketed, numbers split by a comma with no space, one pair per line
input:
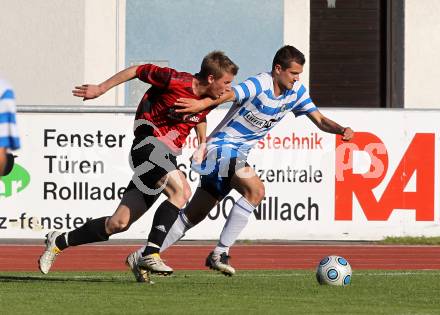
[334,270]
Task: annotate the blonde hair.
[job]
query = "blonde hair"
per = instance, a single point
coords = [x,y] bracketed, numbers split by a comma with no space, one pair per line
[216,63]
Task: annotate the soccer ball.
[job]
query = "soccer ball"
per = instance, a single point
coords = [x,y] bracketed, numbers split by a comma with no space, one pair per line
[334,270]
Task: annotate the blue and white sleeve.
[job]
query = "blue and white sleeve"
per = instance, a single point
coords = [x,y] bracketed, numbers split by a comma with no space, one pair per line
[247,89]
[8,129]
[304,104]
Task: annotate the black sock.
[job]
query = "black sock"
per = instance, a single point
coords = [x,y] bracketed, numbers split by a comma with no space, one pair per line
[163,219]
[60,242]
[92,231]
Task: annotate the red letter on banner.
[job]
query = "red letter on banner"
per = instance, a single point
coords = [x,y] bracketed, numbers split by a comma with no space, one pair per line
[418,159]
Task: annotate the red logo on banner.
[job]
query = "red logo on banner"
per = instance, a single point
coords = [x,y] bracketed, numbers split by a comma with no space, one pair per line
[418,160]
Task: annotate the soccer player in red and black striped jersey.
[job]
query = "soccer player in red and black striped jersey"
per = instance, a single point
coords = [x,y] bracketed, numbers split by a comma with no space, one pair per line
[160,133]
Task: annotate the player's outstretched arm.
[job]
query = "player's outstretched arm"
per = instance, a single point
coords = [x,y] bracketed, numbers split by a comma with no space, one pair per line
[328,125]
[189,105]
[91,91]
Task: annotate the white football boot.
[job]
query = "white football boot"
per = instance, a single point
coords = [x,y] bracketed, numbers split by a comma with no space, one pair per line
[154,264]
[141,275]
[220,263]
[50,253]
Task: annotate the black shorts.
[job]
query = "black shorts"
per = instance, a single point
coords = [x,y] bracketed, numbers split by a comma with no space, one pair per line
[150,160]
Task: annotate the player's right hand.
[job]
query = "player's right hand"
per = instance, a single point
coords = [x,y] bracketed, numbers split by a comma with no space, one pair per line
[199,154]
[87,91]
[348,134]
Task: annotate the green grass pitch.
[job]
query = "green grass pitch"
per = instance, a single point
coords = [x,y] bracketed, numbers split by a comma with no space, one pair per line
[207,292]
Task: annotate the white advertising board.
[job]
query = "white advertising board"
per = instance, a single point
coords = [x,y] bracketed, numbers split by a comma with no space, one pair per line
[73,167]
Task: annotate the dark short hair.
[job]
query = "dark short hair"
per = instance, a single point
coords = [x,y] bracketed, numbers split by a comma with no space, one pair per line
[285,55]
[217,64]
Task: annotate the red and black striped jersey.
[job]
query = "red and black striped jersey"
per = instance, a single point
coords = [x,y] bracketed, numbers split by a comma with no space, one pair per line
[157,105]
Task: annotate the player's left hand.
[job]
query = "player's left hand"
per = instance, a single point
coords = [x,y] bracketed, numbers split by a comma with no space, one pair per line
[348,134]
[189,105]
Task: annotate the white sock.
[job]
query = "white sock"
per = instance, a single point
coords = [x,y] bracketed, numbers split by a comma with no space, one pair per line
[140,251]
[235,223]
[177,231]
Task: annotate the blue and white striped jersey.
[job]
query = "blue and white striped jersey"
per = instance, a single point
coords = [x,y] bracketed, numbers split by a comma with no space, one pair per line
[8,129]
[256,111]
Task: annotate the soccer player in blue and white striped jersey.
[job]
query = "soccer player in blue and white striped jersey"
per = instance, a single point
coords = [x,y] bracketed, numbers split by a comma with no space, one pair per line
[257,109]
[9,139]
[260,103]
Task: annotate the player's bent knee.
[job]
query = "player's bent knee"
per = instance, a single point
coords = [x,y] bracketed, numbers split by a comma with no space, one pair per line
[180,201]
[117,226]
[9,164]
[181,198]
[187,194]
[256,195]
[261,192]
